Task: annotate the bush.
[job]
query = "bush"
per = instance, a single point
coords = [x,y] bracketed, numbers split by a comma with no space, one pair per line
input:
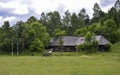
[108,47]
[89,47]
[80,47]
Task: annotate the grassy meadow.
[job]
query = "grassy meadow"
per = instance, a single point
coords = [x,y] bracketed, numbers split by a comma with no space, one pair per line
[107,63]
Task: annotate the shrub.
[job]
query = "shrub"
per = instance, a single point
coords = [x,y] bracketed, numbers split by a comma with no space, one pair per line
[90,48]
[80,47]
[108,47]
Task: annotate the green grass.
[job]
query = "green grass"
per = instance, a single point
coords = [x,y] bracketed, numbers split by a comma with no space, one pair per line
[60,65]
[116,48]
[93,64]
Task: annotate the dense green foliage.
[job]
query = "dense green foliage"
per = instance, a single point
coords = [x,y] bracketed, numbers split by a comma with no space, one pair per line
[108,47]
[21,37]
[59,34]
[90,45]
[29,36]
[36,46]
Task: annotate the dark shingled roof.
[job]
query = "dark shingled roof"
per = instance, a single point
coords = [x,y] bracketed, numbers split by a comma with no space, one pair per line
[73,41]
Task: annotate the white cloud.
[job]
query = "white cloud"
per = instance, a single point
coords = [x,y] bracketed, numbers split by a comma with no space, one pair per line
[71,5]
[43,5]
[10,19]
[22,7]
[105,3]
[1,20]
[17,7]
[105,9]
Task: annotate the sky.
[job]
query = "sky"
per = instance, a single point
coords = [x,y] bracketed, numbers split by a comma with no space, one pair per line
[16,10]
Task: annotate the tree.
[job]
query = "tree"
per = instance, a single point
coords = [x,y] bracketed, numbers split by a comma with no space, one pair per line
[95,28]
[27,32]
[117,5]
[113,14]
[31,19]
[43,19]
[83,18]
[36,46]
[18,27]
[88,37]
[74,22]
[5,39]
[97,10]
[66,21]
[1,36]
[109,29]
[6,25]
[36,30]
[59,34]
[81,32]
[96,14]
[90,42]
[53,21]
[18,38]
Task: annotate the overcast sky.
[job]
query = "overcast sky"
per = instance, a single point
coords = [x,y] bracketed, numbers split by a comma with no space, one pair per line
[15,10]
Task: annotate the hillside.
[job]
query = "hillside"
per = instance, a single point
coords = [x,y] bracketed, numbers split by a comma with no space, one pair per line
[116,48]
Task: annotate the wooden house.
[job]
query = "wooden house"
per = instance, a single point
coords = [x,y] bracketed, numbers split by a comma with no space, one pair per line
[70,42]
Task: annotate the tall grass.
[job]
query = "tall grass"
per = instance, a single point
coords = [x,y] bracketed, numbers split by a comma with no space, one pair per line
[60,65]
[116,48]
[107,63]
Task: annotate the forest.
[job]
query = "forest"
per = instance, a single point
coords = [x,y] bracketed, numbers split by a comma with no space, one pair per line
[34,34]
